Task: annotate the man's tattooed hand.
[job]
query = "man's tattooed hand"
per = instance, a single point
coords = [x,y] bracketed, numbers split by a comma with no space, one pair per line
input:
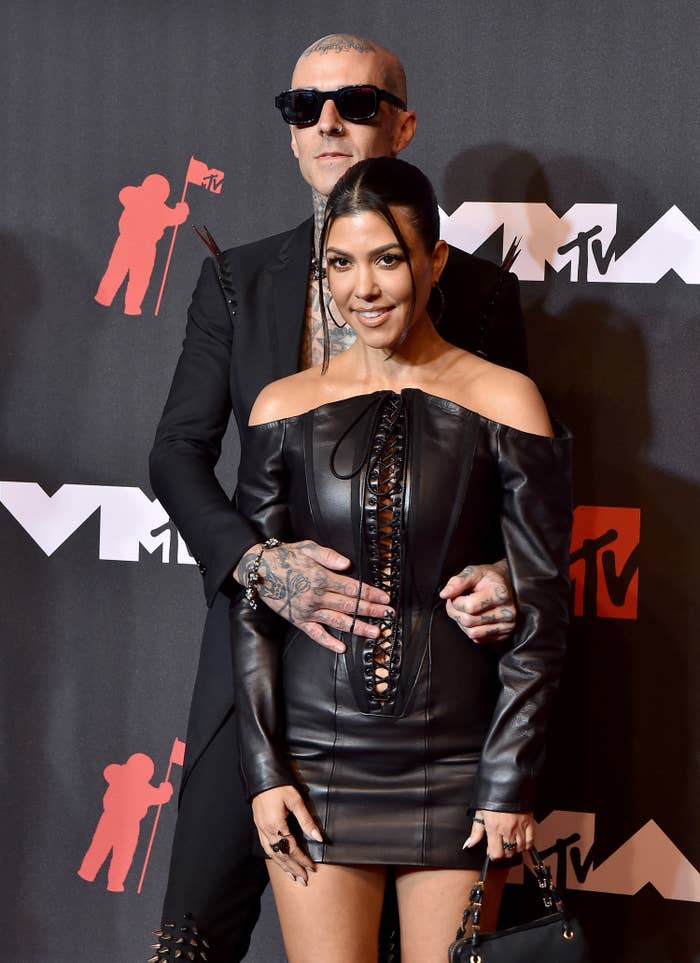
[480,600]
[301,582]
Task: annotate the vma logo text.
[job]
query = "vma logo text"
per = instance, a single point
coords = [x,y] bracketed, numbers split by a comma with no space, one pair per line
[581,242]
[605,561]
[128,519]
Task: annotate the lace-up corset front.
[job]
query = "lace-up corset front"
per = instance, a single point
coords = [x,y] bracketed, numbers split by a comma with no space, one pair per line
[383,517]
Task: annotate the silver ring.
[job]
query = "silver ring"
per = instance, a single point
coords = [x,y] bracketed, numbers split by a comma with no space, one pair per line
[509,846]
[478,819]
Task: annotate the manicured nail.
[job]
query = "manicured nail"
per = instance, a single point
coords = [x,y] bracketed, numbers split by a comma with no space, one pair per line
[316,835]
[468,843]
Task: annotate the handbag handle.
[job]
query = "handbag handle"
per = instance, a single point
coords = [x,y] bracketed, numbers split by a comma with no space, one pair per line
[550,898]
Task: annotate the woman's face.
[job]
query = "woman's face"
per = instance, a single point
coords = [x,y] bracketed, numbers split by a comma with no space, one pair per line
[370,280]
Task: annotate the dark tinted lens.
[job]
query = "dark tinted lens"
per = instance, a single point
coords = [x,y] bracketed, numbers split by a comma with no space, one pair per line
[300,107]
[358,103]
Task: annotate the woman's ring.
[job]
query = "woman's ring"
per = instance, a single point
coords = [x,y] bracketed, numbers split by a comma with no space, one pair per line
[509,846]
[478,819]
[281,846]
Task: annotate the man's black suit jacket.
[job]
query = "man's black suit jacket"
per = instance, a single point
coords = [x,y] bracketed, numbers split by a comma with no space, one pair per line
[237,343]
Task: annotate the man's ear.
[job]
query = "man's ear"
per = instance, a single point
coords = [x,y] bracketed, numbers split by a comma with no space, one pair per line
[295,149]
[440,254]
[404,131]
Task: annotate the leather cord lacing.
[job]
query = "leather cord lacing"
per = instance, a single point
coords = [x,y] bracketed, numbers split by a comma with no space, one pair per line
[381,537]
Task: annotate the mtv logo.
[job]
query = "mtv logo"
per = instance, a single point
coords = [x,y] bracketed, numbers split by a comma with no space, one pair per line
[604,561]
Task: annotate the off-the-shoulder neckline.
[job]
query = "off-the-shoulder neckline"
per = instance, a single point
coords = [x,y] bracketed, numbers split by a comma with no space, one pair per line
[425,394]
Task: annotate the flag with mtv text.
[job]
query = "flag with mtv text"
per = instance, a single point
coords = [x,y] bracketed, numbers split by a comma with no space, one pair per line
[207,177]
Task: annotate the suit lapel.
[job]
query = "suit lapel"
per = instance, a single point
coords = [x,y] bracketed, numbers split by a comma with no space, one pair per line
[288,276]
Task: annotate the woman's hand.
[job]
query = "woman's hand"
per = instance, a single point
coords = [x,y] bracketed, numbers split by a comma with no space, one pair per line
[506,833]
[270,810]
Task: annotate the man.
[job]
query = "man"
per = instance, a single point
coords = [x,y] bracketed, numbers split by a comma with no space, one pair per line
[255,318]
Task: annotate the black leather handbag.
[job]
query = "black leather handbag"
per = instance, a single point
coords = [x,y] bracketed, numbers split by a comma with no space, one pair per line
[555,937]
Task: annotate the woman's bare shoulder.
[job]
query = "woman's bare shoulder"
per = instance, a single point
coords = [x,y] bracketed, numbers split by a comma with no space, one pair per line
[287,397]
[507,397]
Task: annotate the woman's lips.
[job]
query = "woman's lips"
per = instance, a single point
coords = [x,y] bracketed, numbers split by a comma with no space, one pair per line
[373,317]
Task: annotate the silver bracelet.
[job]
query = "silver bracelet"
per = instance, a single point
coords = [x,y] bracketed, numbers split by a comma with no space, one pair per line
[253,576]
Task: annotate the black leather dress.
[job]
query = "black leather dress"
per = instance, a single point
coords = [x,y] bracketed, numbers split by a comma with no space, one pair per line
[395,740]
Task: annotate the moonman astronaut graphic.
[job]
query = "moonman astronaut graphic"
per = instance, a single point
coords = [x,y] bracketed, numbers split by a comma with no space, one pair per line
[141,226]
[127,800]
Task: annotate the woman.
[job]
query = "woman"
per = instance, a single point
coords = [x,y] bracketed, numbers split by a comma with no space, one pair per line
[407,455]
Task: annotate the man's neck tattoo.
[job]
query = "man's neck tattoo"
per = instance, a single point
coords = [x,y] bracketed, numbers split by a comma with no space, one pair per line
[312,341]
[317,267]
[319,204]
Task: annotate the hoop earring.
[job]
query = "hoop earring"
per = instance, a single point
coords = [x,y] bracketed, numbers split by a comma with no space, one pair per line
[441,296]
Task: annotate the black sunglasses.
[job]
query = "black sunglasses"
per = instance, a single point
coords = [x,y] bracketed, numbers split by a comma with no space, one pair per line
[303,107]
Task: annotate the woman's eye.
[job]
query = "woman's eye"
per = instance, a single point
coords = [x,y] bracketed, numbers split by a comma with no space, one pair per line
[389,260]
[338,262]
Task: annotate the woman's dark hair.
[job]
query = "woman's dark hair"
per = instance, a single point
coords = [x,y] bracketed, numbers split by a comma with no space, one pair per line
[377,185]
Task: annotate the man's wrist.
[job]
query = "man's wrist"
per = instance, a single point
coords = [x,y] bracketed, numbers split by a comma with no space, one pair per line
[244,565]
[253,578]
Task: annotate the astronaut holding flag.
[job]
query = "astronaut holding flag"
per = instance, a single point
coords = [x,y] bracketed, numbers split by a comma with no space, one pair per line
[129,796]
[142,223]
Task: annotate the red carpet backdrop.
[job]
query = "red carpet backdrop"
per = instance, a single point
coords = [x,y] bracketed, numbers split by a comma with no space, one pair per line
[573,127]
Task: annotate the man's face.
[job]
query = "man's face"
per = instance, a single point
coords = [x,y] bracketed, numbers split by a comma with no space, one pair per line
[328,148]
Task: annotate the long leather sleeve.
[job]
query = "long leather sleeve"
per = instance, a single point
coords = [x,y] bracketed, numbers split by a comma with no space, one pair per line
[188,442]
[257,635]
[536,516]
